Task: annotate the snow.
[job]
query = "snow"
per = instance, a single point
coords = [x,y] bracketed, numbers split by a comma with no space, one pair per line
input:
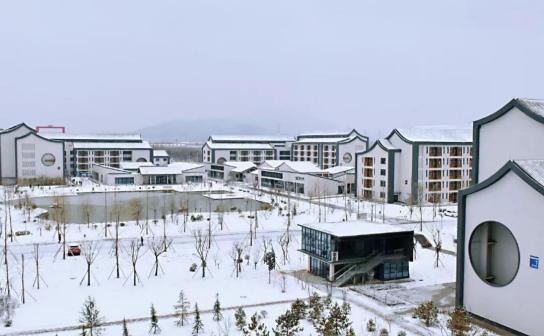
[250,138]
[272,163]
[300,167]
[129,165]
[167,170]
[535,105]
[112,145]
[92,137]
[339,169]
[535,168]
[355,228]
[235,146]
[323,140]
[160,153]
[240,166]
[58,304]
[437,134]
[185,166]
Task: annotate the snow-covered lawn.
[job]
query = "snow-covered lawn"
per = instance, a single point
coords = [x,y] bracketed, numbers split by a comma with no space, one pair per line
[59,300]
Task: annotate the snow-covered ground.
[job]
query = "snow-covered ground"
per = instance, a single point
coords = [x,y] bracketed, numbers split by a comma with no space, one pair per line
[59,300]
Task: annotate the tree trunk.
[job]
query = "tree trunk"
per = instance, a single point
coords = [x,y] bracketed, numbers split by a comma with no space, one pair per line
[88,274]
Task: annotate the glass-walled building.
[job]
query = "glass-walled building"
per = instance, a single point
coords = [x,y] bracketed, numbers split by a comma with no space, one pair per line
[358,251]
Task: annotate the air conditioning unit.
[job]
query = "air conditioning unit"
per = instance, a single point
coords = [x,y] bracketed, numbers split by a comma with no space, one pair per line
[334,256]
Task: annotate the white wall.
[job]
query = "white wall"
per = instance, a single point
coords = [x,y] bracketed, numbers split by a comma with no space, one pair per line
[516,205]
[30,151]
[352,148]
[512,136]
[7,151]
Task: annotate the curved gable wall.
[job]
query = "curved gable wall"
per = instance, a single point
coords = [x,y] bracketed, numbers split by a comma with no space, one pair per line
[512,136]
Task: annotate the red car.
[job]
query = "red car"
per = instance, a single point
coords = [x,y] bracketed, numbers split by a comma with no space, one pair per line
[73,250]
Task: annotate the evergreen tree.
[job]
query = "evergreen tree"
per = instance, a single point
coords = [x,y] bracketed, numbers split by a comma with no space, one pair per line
[198,326]
[287,324]
[337,322]
[182,308]
[427,312]
[90,317]
[217,316]
[270,261]
[401,333]
[315,308]
[459,322]
[299,307]
[350,332]
[327,301]
[240,318]
[254,328]
[154,329]
[371,326]
[384,332]
[125,329]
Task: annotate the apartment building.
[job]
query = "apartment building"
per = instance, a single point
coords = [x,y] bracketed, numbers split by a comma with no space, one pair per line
[246,148]
[81,152]
[426,164]
[329,149]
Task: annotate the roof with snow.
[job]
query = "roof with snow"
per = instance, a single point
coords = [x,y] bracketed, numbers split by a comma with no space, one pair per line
[160,153]
[240,166]
[300,167]
[184,166]
[534,168]
[272,163]
[152,170]
[434,134]
[330,137]
[355,228]
[130,165]
[112,145]
[250,138]
[93,137]
[242,146]
[339,169]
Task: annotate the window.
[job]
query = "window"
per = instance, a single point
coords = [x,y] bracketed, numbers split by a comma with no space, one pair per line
[494,253]
[383,160]
[382,172]
[124,180]
[382,183]
[271,174]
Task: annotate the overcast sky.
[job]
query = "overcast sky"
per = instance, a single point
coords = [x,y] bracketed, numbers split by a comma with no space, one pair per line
[123,65]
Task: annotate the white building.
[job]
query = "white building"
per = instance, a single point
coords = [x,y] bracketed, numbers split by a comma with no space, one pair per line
[500,222]
[430,164]
[329,149]
[26,157]
[83,151]
[161,157]
[256,149]
[304,178]
[148,174]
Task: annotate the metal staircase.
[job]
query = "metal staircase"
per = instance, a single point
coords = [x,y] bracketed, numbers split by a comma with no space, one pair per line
[361,267]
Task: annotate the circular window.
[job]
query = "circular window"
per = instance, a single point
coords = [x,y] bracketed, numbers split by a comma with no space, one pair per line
[347,158]
[221,160]
[141,160]
[494,253]
[48,159]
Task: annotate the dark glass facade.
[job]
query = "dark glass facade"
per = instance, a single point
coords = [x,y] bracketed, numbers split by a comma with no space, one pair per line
[316,242]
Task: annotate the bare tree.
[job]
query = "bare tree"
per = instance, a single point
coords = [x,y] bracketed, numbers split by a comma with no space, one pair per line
[236,255]
[256,256]
[135,206]
[157,248]
[86,211]
[437,247]
[284,241]
[134,253]
[202,248]
[419,203]
[116,214]
[90,251]
[36,255]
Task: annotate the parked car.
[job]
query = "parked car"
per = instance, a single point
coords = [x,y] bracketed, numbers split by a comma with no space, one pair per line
[74,250]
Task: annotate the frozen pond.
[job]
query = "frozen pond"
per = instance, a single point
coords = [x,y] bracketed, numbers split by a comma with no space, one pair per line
[149,204]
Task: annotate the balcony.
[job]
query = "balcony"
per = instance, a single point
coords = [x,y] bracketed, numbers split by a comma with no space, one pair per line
[456,163]
[367,194]
[452,197]
[454,186]
[368,161]
[435,186]
[367,183]
[435,151]
[98,153]
[368,173]
[435,163]
[456,151]
[435,175]
[455,175]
